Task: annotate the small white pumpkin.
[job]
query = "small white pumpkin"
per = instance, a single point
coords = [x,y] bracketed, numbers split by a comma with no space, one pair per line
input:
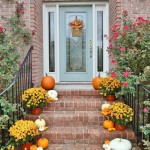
[53,94]
[106,105]
[41,129]
[40,148]
[106,147]
[120,144]
[40,122]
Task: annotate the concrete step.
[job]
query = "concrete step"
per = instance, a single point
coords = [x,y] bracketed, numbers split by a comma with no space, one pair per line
[70,118]
[84,135]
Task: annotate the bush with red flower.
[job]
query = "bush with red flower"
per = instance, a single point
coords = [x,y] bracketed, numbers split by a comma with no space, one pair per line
[13,37]
[129,51]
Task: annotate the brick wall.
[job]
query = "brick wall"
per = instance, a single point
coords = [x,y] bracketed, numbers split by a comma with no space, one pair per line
[33,19]
[36,24]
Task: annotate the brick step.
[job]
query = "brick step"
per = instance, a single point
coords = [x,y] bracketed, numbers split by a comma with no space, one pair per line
[75,104]
[84,135]
[74,147]
[71,118]
[78,92]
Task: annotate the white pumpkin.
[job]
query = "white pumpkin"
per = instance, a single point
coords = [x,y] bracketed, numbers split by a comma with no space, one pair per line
[41,129]
[40,122]
[53,94]
[105,106]
[106,147]
[39,148]
[120,144]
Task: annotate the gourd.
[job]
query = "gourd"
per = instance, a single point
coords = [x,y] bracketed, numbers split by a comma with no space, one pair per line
[42,142]
[108,124]
[40,148]
[53,94]
[120,144]
[48,82]
[106,105]
[96,82]
[41,129]
[106,147]
[33,147]
[40,122]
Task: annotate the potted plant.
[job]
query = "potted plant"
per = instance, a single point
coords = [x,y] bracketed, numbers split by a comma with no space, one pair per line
[109,86]
[121,114]
[23,133]
[34,99]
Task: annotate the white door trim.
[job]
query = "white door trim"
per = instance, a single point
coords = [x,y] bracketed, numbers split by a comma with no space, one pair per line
[54,7]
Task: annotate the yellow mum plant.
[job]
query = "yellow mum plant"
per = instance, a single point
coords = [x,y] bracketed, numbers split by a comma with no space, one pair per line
[23,131]
[109,86]
[35,97]
[121,113]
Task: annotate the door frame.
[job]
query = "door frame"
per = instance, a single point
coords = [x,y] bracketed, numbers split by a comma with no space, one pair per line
[54,7]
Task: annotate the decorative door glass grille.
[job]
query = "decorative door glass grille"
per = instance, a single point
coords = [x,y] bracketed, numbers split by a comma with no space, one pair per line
[99,41]
[51,43]
[75,45]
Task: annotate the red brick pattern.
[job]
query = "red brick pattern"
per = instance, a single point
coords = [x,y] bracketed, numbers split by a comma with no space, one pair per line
[36,24]
[75,121]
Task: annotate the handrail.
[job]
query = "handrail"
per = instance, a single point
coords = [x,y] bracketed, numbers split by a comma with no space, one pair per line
[18,72]
[13,93]
[136,102]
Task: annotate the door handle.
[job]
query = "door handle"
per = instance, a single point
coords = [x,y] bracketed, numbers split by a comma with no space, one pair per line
[91,48]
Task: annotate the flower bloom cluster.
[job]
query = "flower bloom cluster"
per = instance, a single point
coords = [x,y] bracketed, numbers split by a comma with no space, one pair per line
[35,97]
[121,113]
[23,131]
[109,85]
[76,23]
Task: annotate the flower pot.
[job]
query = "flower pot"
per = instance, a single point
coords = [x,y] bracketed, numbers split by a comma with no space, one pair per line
[36,111]
[120,127]
[110,97]
[26,146]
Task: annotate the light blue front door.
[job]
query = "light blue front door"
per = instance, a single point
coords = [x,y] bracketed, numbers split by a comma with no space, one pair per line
[75,44]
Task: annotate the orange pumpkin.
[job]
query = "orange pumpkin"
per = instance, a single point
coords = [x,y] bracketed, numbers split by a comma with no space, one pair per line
[108,124]
[42,142]
[96,82]
[107,142]
[33,147]
[48,82]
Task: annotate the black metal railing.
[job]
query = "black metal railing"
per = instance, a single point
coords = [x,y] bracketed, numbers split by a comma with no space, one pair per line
[12,94]
[140,118]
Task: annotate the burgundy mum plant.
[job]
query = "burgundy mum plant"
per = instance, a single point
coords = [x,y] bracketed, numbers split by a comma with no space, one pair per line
[129,51]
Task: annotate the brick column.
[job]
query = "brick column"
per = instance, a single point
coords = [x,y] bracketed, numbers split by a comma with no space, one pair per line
[36,24]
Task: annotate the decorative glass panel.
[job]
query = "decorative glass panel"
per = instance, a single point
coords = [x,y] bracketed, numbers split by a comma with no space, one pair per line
[51,43]
[75,44]
[99,41]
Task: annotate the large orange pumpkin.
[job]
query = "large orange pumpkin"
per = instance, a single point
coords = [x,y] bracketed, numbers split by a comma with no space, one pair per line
[48,82]
[33,147]
[42,142]
[108,124]
[96,82]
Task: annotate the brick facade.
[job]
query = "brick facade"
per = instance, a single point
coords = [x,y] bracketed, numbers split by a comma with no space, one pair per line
[33,19]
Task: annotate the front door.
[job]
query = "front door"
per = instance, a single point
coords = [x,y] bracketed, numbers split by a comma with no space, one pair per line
[75,38]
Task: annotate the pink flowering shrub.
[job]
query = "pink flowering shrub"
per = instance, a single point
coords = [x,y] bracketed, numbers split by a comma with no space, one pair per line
[129,51]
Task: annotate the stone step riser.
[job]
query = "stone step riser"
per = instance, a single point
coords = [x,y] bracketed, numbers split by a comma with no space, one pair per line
[83,138]
[70,121]
[85,93]
[75,105]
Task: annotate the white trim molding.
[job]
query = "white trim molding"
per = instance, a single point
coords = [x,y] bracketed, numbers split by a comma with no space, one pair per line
[54,7]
